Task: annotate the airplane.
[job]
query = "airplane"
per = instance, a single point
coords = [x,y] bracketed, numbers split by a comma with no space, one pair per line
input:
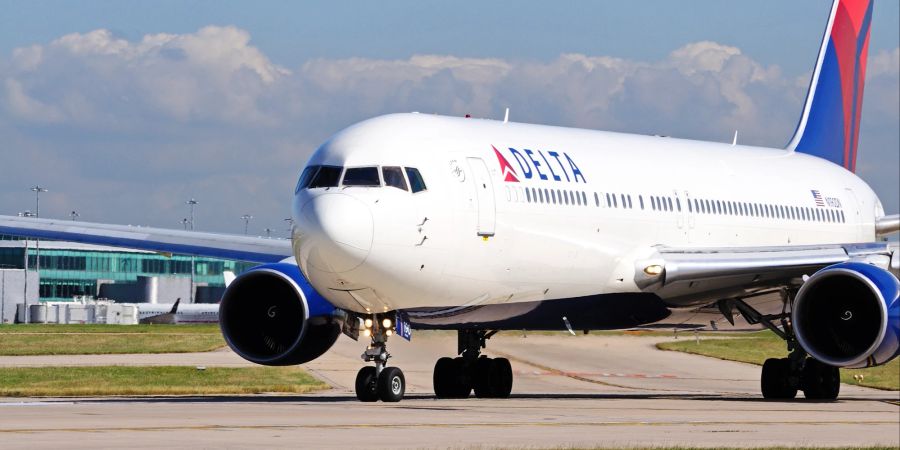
[413,222]
[176,313]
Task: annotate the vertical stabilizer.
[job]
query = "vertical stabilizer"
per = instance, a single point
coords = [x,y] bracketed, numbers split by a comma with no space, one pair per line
[829,126]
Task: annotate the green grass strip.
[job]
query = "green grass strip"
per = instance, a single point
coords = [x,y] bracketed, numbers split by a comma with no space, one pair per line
[113,329]
[161,380]
[759,346]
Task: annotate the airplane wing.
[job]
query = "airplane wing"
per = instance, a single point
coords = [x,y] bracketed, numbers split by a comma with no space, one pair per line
[242,248]
[693,276]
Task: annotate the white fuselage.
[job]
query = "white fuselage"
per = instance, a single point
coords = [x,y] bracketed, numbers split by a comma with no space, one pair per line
[546,227]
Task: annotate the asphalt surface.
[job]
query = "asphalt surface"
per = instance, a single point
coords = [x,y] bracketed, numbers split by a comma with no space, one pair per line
[584,391]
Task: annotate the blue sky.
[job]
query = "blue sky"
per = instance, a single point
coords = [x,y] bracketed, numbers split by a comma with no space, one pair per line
[289,32]
[224,100]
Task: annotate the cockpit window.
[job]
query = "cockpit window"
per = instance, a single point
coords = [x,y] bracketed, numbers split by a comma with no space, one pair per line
[415,179]
[306,177]
[327,176]
[362,176]
[393,176]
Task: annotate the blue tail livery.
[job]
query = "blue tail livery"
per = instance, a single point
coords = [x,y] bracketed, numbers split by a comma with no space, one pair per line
[829,127]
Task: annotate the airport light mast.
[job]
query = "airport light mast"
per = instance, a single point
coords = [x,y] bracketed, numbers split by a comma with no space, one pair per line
[246,218]
[192,203]
[37,189]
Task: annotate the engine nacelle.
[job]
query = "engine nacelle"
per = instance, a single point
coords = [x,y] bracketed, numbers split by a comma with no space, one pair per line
[848,315]
[270,315]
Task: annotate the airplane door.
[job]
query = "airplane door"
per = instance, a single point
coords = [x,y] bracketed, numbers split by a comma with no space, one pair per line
[486,209]
[853,213]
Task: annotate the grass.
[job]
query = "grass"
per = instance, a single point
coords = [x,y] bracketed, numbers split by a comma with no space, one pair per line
[756,347]
[161,380]
[21,340]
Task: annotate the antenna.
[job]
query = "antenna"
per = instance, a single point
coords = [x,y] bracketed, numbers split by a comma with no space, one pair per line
[734,141]
[506,116]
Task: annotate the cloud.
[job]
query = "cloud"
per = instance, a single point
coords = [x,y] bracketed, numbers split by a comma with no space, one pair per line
[209,115]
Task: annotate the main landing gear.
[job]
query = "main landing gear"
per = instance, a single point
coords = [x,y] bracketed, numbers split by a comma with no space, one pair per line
[783,377]
[379,382]
[458,377]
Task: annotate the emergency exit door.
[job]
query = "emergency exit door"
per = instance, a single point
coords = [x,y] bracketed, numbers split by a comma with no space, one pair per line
[485,208]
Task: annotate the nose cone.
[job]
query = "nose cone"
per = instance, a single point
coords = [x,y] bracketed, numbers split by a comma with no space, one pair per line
[335,233]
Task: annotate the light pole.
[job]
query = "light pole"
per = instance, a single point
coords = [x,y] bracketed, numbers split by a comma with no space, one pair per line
[268,232]
[290,228]
[37,199]
[37,189]
[185,222]
[192,203]
[246,218]
[25,263]
[74,215]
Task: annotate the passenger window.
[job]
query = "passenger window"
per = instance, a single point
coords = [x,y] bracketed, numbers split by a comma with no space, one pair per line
[415,179]
[596,199]
[630,205]
[326,177]
[641,201]
[305,177]
[615,204]
[393,177]
[608,201]
[678,204]
[528,195]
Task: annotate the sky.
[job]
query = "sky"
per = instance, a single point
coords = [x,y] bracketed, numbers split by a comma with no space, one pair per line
[126,109]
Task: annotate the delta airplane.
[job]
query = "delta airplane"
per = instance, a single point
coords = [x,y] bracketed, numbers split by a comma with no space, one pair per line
[415,221]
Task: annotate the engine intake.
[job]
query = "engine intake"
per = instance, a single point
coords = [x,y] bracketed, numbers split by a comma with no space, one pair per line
[272,316]
[848,315]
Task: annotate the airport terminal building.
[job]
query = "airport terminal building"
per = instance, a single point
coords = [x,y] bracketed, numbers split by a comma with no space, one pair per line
[66,270]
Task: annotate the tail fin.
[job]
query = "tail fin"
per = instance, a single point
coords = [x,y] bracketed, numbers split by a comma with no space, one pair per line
[829,126]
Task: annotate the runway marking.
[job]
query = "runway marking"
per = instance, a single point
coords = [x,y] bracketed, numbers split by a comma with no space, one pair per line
[438,425]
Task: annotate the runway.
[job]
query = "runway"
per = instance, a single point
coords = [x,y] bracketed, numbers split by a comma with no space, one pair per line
[583,391]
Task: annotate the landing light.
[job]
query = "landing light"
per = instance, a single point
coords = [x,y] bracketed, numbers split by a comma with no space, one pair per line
[368,323]
[389,333]
[386,323]
[653,270]
[367,332]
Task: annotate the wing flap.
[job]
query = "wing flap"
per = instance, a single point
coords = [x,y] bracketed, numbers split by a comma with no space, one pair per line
[690,277]
[242,248]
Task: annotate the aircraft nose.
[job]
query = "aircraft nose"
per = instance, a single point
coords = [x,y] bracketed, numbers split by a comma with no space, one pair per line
[335,232]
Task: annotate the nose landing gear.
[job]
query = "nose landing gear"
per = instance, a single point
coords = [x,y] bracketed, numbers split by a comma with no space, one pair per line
[458,377]
[379,382]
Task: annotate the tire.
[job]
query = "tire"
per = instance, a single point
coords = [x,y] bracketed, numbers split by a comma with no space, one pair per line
[462,377]
[391,384]
[503,378]
[443,378]
[367,384]
[820,381]
[774,382]
[484,378]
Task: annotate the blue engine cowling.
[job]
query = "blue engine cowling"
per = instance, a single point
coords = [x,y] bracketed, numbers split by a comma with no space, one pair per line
[270,315]
[848,315]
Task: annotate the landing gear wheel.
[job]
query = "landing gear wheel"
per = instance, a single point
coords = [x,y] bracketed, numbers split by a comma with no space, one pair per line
[450,378]
[443,384]
[493,378]
[775,382]
[820,381]
[391,384]
[367,384]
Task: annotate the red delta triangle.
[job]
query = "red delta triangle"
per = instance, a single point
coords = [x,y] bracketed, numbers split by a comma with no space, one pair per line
[508,171]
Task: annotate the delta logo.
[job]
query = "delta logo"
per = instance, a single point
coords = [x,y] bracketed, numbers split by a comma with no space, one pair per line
[531,167]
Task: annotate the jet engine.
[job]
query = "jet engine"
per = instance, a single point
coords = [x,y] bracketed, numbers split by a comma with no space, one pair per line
[270,315]
[848,315]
